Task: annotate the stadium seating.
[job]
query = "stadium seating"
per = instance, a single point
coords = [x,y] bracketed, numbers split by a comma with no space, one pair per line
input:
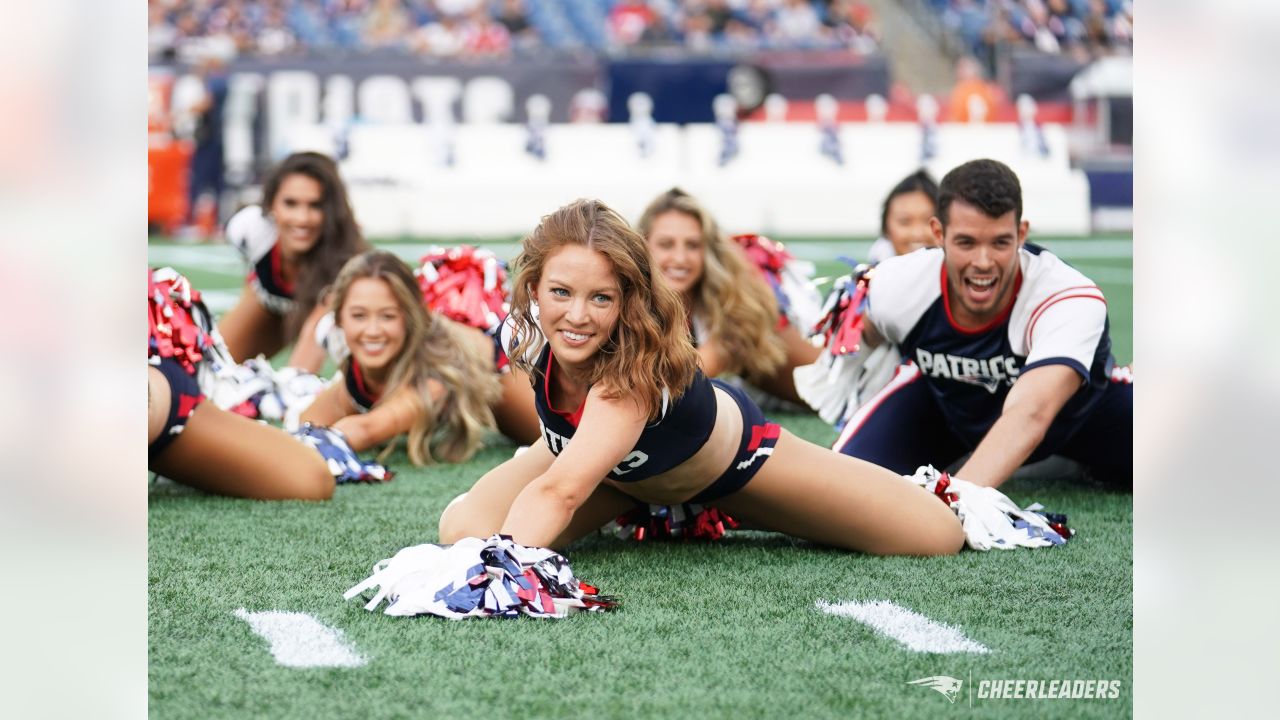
[478,179]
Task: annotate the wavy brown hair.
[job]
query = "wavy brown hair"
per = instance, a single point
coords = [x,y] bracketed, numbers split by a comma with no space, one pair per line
[435,348]
[340,237]
[649,349]
[736,304]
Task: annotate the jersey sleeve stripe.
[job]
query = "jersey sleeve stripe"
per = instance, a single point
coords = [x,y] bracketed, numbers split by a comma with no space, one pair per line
[904,375]
[1050,302]
[1069,362]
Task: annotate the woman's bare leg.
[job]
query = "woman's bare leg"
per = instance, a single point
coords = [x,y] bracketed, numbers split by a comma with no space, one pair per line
[226,454]
[307,354]
[799,352]
[250,330]
[811,492]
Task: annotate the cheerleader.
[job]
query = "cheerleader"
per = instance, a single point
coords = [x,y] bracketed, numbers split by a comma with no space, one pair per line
[411,371]
[904,218]
[196,443]
[733,313]
[613,365]
[295,244]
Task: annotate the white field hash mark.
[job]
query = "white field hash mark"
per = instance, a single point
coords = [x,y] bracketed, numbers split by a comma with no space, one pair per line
[299,640]
[911,629]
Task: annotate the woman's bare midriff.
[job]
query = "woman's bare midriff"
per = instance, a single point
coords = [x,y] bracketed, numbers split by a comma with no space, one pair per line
[689,478]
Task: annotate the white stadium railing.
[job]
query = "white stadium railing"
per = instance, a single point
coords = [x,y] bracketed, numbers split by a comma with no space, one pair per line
[479,180]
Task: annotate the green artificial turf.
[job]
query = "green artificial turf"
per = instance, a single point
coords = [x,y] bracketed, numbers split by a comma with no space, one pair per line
[725,629]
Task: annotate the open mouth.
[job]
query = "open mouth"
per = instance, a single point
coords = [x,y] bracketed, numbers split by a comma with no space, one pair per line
[574,338]
[980,288]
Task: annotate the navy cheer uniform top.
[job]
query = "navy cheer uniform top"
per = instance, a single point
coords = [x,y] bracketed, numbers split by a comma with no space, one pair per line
[679,432]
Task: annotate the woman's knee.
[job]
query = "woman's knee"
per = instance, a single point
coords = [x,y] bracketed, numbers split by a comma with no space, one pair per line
[941,535]
[452,525]
[301,475]
[316,484]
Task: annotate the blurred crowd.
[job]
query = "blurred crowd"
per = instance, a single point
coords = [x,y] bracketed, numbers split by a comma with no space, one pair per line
[478,28]
[1082,29]
[308,27]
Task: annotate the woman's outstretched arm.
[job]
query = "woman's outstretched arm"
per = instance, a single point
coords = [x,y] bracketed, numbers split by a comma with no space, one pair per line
[608,431]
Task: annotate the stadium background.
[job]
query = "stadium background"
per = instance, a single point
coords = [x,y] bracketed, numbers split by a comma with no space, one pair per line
[433,147]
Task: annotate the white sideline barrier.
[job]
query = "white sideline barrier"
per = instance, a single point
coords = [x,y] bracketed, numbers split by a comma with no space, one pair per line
[778,182]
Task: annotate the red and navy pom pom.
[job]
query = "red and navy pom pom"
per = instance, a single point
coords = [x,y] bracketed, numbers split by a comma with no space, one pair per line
[465,284]
[770,257]
[688,521]
[180,326]
[844,313]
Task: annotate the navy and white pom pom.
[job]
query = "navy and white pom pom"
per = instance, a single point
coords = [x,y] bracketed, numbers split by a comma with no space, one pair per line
[345,465]
[474,577]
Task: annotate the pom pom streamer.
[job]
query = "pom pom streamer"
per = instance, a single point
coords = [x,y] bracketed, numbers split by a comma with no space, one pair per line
[844,376]
[465,284]
[180,326]
[494,577]
[990,519]
[791,279]
[687,521]
[344,464]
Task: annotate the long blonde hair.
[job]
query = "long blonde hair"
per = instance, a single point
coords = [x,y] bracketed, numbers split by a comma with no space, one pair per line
[649,349]
[736,304]
[434,349]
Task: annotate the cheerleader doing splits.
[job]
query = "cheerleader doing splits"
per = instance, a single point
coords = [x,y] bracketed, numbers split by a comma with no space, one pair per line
[295,244]
[629,417]
[731,309]
[199,444]
[410,370]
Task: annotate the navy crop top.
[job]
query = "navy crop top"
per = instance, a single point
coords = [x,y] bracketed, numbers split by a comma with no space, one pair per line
[679,432]
[363,399]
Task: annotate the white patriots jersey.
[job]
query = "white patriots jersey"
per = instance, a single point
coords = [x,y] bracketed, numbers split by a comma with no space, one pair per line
[1058,317]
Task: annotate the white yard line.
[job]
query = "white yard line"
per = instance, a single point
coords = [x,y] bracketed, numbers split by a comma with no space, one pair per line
[910,629]
[212,258]
[299,640]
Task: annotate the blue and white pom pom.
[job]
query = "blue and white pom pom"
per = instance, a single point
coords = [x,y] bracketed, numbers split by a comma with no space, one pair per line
[494,577]
[344,464]
[990,519]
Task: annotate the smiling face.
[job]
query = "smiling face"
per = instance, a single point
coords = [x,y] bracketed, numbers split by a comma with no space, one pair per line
[299,213]
[578,300]
[373,324]
[981,255]
[907,222]
[675,242]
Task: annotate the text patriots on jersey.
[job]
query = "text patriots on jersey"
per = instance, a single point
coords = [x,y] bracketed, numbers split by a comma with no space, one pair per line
[988,373]
[557,443]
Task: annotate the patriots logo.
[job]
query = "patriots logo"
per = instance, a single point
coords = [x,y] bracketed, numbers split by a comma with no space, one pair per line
[991,384]
[948,686]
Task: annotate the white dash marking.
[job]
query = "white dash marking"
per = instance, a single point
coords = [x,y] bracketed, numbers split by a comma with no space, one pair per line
[301,641]
[911,629]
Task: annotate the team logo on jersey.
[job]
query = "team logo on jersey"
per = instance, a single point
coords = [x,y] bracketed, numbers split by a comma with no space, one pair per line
[987,373]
